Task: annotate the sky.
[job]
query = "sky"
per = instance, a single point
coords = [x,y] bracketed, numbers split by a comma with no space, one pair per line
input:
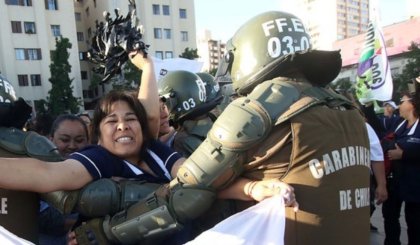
[224,17]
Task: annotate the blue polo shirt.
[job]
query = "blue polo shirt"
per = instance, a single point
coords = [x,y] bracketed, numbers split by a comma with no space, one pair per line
[408,140]
[103,164]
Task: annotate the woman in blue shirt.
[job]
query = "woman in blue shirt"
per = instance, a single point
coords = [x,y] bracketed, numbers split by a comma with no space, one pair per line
[406,157]
[127,147]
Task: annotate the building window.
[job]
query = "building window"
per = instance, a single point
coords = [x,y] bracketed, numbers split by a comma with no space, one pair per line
[84,75]
[165,10]
[157,33]
[182,13]
[156,9]
[16,27]
[78,16]
[12,2]
[89,33]
[94,3]
[55,29]
[28,54]
[80,36]
[87,11]
[35,80]
[29,27]
[51,4]
[33,53]
[169,55]
[167,33]
[83,56]
[184,36]
[19,2]
[159,54]
[20,53]
[23,80]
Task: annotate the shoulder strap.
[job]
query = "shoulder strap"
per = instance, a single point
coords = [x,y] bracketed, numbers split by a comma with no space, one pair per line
[312,96]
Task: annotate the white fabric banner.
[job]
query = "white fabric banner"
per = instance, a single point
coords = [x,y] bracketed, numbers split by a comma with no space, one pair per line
[262,224]
[8,238]
[164,66]
[374,81]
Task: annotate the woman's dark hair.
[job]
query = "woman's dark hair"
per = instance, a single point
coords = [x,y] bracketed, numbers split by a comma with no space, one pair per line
[67,117]
[103,109]
[415,100]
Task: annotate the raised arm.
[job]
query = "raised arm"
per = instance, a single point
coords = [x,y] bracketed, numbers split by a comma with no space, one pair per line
[30,174]
[148,90]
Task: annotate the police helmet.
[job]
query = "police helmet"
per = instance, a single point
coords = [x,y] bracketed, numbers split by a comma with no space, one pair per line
[212,86]
[13,112]
[184,94]
[275,44]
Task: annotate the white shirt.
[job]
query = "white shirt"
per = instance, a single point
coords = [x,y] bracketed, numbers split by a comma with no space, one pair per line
[376,152]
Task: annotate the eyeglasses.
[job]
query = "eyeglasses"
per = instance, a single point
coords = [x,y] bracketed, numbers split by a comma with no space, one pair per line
[402,100]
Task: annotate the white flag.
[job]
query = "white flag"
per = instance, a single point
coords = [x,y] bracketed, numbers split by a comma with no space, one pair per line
[374,81]
[261,224]
[164,66]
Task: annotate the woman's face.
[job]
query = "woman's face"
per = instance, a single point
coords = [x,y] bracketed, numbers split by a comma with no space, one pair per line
[69,137]
[406,107]
[121,132]
[388,110]
[164,119]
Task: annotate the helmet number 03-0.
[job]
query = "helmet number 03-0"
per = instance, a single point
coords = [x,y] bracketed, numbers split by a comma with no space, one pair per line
[286,36]
[287,45]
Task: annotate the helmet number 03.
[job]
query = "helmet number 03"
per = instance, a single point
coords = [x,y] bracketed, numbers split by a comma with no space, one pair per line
[188,104]
[287,45]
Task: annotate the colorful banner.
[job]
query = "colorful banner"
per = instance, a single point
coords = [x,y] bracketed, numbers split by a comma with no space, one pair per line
[374,81]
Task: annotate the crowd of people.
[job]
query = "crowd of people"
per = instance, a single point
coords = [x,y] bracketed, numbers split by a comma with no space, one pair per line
[162,164]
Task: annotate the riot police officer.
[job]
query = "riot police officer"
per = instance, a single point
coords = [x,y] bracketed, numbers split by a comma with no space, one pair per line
[19,209]
[286,125]
[189,101]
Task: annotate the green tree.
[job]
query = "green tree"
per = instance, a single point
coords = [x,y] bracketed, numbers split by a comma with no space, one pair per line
[61,99]
[410,71]
[190,54]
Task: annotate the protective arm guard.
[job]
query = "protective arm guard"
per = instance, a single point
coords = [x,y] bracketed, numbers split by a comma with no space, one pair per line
[244,123]
[19,143]
[153,217]
[101,197]
[215,164]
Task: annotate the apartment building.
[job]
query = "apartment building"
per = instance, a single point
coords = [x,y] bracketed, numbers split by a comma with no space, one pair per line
[331,20]
[29,30]
[25,43]
[217,50]
[210,51]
